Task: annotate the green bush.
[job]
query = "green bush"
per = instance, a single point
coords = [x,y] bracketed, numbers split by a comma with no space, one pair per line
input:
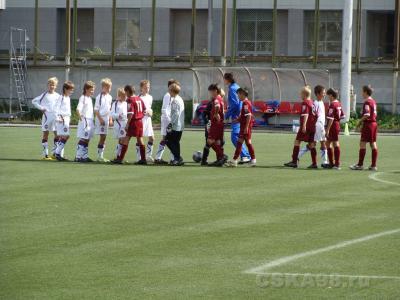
[385,120]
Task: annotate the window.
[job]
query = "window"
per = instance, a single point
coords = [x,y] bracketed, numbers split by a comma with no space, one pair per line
[330,32]
[254,32]
[380,33]
[127,29]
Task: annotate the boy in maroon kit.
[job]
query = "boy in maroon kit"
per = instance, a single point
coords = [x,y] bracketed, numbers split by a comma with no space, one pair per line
[369,130]
[134,126]
[335,114]
[216,131]
[306,131]
[246,123]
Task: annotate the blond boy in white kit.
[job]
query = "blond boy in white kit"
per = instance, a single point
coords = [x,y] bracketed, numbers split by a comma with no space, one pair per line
[102,108]
[46,103]
[147,122]
[119,114]
[63,112]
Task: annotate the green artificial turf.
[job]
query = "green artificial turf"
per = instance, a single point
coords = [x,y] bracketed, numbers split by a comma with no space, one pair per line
[100,231]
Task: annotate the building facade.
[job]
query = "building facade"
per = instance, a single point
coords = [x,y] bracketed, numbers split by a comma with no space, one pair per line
[252,32]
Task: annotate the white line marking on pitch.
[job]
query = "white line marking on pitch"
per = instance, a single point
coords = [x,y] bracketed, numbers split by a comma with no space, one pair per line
[329,275]
[374,176]
[287,259]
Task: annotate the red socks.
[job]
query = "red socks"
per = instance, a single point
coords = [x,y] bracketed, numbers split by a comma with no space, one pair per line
[295,154]
[218,150]
[314,156]
[251,151]
[374,157]
[142,152]
[330,156]
[337,156]
[361,155]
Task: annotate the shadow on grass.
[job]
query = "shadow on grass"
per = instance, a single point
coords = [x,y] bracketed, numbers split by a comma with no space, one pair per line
[130,164]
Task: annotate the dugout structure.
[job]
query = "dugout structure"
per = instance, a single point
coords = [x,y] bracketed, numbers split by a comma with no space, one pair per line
[264,84]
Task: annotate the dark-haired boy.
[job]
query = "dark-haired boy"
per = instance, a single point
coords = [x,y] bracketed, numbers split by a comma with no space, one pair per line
[134,126]
[369,130]
[216,131]
[335,114]
[246,123]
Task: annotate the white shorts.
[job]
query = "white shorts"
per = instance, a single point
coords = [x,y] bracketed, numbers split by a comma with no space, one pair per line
[102,129]
[119,129]
[147,127]
[48,122]
[62,127]
[85,129]
[164,125]
[319,133]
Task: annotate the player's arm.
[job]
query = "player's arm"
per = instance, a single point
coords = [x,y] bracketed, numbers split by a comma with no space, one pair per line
[328,127]
[304,126]
[36,103]
[80,107]
[248,115]
[129,118]
[216,110]
[97,111]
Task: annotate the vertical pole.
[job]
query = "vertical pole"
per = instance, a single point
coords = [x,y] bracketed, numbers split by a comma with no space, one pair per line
[67,39]
[74,31]
[210,26]
[114,14]
[316,34]
[223,34]
[153,31]
[358,35]
[192,33]
[233,33]
[345,78]
[274,31]
[11,70]
[36,33]
[396,56]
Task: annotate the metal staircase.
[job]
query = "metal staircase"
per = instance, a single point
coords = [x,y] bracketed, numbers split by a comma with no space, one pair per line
[18,72]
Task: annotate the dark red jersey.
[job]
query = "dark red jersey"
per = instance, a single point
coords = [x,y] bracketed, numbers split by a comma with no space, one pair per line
[247,110]
[136,107]
[369,110]
[335,111]
[217,105]
[307,110]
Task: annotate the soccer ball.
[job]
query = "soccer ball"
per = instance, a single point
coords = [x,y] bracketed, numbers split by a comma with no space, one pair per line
[197,155]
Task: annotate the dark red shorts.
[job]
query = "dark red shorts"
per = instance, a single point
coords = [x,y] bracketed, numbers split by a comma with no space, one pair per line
[369,132]
[216,132]
[307,137]
[334,132]
[245,134]
[135,128]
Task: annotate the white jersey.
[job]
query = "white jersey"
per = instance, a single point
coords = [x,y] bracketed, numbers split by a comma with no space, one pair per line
[63,106]
[148,100]
[119,111]
[319,109]
[166,108]
[85,107]
[177,113]
[46,101]
[103,104]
